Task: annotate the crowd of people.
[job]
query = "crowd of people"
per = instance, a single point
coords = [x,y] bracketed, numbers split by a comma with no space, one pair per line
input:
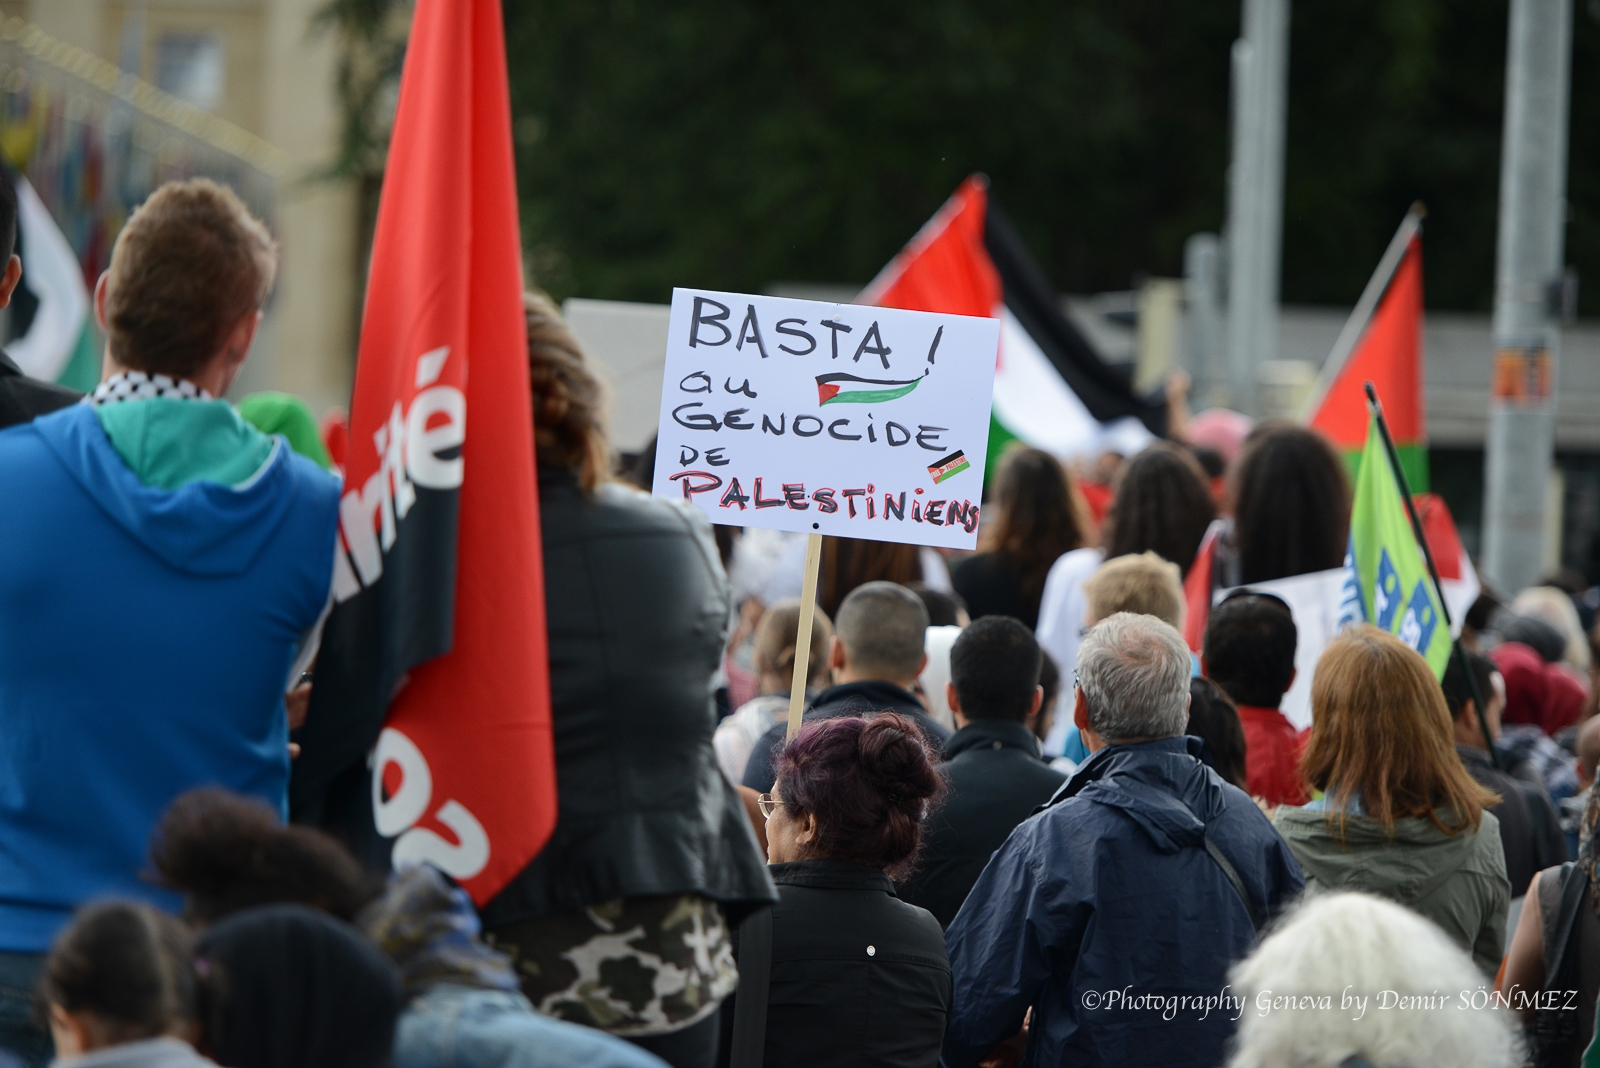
[1025,818]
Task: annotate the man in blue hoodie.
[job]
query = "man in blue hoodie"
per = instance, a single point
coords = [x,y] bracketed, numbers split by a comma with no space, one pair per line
[164,564]
[1116,910]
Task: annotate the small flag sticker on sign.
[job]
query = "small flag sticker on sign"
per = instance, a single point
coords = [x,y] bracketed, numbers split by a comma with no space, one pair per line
[953,464]
[840,388]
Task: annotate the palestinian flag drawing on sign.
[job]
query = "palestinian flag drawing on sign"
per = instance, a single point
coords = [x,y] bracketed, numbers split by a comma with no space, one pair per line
[953,464]
[841,388]
[1051,389]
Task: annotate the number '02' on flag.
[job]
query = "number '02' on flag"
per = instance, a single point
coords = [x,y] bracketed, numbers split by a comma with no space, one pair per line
[1386,578]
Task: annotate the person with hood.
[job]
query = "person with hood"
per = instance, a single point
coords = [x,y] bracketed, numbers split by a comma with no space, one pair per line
[285,986]
[165,565]
[1399,816]
[878,652]
[1146,873]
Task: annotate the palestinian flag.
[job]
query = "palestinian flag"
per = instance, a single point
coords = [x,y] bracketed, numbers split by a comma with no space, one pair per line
[953,464]
[1387,351]
[52,335]
[1051,389]
[853,389]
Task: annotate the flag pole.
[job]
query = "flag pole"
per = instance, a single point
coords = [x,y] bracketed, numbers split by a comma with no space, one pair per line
[802,640]
[1375,406]
[1361,314]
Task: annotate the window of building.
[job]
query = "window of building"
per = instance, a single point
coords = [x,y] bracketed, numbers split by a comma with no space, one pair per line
[190,67]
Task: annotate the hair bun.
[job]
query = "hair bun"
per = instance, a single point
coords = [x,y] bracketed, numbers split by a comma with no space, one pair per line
[896,760]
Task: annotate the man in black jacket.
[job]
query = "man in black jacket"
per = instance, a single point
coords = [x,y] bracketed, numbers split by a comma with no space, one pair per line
[21,398]
[1530,830]
[876,656]
[995,773]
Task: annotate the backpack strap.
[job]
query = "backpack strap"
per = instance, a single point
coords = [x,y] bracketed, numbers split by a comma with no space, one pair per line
[748,1044]
[1574,881]
[1232,873]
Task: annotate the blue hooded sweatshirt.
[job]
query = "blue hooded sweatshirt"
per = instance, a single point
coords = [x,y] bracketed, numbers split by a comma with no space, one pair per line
[146,636]
[1103,912]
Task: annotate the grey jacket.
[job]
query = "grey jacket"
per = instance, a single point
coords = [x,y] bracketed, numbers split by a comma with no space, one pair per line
[145,1053]
[1456,880]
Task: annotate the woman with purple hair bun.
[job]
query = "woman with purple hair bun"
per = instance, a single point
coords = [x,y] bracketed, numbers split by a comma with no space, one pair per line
[859,977]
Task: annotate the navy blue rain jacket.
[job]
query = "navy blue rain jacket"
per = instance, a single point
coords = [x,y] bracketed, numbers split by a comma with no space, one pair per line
[1103,911]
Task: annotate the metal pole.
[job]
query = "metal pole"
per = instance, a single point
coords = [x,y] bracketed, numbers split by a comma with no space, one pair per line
[1202,324]
[1255,194]
[1527,335]
[1375,406]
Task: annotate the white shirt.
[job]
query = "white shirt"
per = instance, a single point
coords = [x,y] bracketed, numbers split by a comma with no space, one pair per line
[1063,611]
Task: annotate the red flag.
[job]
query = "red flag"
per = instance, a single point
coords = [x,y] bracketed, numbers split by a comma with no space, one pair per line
[1197,588]
[1389,356]
[440,614]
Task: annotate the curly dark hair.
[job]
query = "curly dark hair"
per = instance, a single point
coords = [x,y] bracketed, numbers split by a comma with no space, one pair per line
[1163,505]
[226,853]
[1291,503]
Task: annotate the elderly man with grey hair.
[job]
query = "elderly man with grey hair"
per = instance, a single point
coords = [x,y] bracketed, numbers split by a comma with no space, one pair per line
[1116,910]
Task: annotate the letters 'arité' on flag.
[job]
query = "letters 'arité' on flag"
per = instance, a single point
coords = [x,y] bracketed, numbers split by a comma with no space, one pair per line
[1386,578]
[429,735]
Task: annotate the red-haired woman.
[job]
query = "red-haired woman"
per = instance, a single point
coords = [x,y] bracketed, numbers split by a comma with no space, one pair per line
[859,977]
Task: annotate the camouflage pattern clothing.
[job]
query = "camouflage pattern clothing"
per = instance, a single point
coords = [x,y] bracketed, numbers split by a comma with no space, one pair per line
[632,966]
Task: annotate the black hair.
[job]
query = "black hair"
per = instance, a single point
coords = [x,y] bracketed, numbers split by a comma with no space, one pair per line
[1211,461]
[1249,649]
[994,666]
[1291,503]
[944,609]
[1214,719]
[226,853]
[1163,505]
[1454,683]
[1536,634]
[1050,683]
[127,965]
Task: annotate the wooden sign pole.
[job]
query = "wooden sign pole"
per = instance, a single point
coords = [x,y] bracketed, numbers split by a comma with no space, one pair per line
[802,641]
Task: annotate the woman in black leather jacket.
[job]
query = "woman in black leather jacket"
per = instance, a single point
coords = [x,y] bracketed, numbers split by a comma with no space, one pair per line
[859,977]
[623,921]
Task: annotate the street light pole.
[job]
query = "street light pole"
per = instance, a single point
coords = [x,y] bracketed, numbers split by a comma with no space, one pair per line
[1255,194]
[1527,332]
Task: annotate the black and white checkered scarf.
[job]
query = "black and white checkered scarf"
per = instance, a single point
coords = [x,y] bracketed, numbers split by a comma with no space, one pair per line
[137,385]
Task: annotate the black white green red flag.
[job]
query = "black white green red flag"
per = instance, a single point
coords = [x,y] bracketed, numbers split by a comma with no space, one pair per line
[1051,388]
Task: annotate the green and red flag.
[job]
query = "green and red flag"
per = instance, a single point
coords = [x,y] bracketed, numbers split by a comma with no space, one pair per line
[1386,578]
[1389,355]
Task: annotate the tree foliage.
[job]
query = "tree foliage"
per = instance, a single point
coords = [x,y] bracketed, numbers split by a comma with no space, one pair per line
[731,143]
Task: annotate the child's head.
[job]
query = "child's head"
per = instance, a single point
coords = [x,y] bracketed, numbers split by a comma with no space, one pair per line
[119,973]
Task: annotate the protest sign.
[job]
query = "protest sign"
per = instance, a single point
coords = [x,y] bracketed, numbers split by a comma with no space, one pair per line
[821,418]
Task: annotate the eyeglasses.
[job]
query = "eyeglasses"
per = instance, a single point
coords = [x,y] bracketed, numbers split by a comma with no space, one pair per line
[1077,684]
[767,803]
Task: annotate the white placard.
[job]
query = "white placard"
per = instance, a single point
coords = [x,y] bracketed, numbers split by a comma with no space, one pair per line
[840,419]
